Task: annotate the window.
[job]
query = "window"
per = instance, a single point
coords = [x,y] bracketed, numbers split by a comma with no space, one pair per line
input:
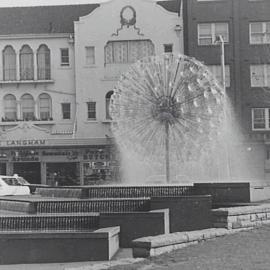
[259,32]
[10,108]
[66,110]
[108,99]
[45,107]
[168,48]
[91,110]
[260,118]
[122,52]
[27,107]
[90,55]
[207,33]
[216,70]
[64,57]
[43,63]
[260,75]
[9,64]
[26,63]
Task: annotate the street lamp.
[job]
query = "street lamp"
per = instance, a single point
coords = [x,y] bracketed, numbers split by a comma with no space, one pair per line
[220,40]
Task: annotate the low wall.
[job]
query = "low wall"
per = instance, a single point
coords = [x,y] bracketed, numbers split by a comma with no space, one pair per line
[156,245]
[74,205]
[138,191]
[49,247]
[76,221]
[186,212]
[63,192]
[241,217]
[136,224]
[224,192]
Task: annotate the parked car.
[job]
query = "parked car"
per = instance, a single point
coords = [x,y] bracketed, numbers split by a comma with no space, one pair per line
[13,185]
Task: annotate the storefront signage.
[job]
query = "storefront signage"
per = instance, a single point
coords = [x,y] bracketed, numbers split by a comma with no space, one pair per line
[23,142]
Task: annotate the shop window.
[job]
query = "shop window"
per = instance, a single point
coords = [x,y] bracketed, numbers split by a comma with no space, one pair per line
[208,33]
[28,107]
[9,64]
[45,107]
[64,56]
[108,99]
[43,63]
[260,119]
[10,108]
[90,55]
[26,63]
[66,110]
[260,75]
[129,51]
[216,71]
[91,110]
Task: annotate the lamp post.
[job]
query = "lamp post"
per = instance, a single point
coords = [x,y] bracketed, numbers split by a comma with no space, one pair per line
[220,40]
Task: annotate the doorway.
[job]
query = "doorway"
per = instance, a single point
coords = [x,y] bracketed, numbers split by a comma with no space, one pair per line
[3,168]
[30,171]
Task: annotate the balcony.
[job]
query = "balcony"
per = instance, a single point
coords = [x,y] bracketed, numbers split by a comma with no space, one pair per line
[27,77]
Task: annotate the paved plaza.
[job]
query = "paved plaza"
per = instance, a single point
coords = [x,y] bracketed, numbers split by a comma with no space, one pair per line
[247,250]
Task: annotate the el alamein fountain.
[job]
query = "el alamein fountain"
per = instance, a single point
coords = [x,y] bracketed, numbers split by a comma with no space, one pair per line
[170,117]
[169,113]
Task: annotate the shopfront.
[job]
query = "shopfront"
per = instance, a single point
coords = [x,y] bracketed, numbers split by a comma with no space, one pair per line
[43,163]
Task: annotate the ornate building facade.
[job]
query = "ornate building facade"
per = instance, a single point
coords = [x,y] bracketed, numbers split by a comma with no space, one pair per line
[58,68]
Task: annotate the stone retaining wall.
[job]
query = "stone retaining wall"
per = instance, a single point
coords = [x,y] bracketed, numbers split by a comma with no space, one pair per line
[241,217]
[155,245]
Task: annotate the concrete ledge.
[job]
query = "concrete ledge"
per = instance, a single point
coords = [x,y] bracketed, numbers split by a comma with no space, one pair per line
[51,247]
[137,224]
[156,245]
[241,217]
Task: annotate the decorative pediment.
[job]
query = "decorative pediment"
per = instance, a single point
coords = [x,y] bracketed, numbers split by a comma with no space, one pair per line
[25,130]
[128,19]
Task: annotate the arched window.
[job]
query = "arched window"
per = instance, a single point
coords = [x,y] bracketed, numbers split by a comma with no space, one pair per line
[10,108]
[45,107]
[9,64]
[43,63]
[26,63]
[27,107]
[108,98]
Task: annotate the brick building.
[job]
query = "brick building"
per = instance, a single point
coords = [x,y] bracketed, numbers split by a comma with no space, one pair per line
[245,27]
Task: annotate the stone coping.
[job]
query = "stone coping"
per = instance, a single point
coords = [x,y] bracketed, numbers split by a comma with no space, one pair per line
[156,245]
[233,211]
[178,238]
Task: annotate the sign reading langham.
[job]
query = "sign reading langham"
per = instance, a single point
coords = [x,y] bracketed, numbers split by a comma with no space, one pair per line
[14,143]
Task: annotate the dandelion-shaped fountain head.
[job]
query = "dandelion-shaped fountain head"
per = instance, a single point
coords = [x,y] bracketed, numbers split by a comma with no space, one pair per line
[167,107]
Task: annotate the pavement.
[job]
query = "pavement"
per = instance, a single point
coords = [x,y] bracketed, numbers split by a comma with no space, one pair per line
[246,250]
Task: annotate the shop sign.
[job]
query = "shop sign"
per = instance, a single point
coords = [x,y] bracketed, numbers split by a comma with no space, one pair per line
[23,142]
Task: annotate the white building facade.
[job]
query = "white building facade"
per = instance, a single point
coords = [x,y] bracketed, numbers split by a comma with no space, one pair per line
[59,67]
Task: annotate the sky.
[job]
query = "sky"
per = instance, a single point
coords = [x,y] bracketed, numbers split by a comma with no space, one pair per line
[18,3]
